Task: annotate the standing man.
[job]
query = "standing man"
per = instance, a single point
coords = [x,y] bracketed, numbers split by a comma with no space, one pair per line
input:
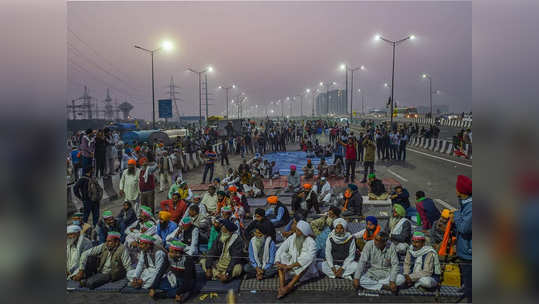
[129,184]
[210,157]
[147,184]
[463,225]
[224,153]
[90,193]
[87,147]
[402,146]
[166,168]
[368,163]
[350,156]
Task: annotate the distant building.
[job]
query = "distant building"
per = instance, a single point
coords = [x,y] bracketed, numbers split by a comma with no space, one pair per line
[337,103]
[436,109]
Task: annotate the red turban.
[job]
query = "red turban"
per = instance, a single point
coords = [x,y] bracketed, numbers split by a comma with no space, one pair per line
[464,185]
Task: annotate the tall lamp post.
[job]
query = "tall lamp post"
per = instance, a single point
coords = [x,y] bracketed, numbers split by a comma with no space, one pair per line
[394,44]
[199,73]
[226,89]
[167,46]
[427,76]
[352,70]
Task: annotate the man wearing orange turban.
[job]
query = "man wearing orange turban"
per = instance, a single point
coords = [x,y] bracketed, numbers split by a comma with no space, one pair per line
[166,226]
[277,213]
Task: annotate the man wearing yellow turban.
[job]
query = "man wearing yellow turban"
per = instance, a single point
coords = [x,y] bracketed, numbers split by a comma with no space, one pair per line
[166,226]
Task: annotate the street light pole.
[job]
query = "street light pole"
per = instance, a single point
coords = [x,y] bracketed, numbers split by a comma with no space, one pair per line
[206,89]
[394,44]
[153,96]
[199,74]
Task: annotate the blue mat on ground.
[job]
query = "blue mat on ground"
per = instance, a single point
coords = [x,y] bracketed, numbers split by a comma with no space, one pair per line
[257,202]
[129,289]
[217,286]
[283,160]
[109,287]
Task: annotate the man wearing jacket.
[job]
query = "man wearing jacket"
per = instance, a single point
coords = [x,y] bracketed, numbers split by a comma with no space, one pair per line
[90,193]
[224,259]
[426,209]
[463,226]
[353,204]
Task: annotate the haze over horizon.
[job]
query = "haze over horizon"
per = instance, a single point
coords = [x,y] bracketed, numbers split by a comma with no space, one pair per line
[270,50]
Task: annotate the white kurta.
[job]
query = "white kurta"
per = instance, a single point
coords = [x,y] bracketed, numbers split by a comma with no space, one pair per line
[191,249]
[325,193]
[129,185]
[349,265]
[147,274]
[288,254]
[132,236]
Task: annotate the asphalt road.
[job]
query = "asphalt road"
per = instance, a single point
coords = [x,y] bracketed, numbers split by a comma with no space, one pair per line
[434,173]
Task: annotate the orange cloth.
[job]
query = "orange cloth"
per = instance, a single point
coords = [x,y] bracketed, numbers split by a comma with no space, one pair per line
[307,186]
[132,162]
[445,242]
[233,189]
[165,215]
[368,238]
[273,199]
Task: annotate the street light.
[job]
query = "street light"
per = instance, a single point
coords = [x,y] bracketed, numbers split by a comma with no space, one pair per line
[394,44]
[427,76]
[199,73]
[345,67]
[227,88]
[167,46]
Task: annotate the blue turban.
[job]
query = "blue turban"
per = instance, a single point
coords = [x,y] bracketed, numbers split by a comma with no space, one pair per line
[352,187]
[231,227]
[127,150]
[371,219]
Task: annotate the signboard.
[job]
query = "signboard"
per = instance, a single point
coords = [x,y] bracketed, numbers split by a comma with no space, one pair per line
[165,108]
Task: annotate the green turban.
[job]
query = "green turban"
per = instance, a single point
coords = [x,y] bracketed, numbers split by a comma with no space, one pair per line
[400,210]
[372,175]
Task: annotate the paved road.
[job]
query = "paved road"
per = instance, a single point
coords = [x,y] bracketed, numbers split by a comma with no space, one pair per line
[433,173]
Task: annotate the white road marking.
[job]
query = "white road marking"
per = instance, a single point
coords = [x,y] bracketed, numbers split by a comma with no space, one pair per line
[404,179]
[439,201]
[433,156]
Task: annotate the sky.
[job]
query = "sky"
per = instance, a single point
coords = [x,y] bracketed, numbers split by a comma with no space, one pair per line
[270,50]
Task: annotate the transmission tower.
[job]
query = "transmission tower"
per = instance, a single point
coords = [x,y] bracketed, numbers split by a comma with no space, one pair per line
[174,96]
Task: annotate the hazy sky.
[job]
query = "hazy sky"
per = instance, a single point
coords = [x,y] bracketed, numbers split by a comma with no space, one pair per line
[270,50]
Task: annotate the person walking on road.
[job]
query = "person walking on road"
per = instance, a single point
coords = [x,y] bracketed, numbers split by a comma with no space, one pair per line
[368,163]
[210,157]
[90,193]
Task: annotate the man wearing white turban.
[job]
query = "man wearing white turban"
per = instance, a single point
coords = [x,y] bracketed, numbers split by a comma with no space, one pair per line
[76,245]
[295,258]
[340,252]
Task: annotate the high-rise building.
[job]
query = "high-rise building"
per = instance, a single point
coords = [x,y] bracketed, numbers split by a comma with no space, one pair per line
[336,103]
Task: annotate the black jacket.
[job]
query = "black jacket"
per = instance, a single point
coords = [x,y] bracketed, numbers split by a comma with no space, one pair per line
[266,223]
[188,276]
[402,199]
[377,187]
[355,204]
[236,254]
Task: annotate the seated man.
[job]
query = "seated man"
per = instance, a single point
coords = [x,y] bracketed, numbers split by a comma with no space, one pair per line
[108,223]
[426,210]
[260,219]
[188,234]
[308,170]
[177,277]
[295,258]
[76,219]
[77,243]
[421,265]
[175,187]
[175,206]
[401,197]
[150,260]
[323,190]
[257,185]
[377,190]
[325,221]
[223,261]
[274,170]
[400,229]
[442,234]
[127,216]
[262,251]
[210,199]
[231,179]
[185,192]
[340,252]
[369,233]
[323,168]
[291,227]
[293,180]
[222,201]
[277,213]
[338,168]
[353,201]
[382,262]
[165,227]
[144,224]
[305,200]
[103,263]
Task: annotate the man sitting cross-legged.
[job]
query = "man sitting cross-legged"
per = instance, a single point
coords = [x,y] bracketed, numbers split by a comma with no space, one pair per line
[295,259]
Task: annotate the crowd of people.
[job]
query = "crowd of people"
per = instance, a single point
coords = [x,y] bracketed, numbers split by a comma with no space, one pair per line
[157,246]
